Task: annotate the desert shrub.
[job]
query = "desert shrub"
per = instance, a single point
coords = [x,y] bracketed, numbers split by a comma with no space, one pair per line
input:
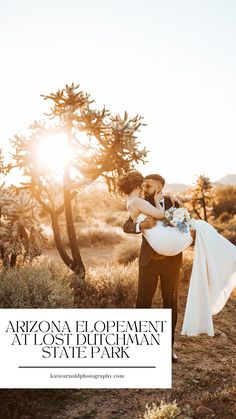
[97,203]
[41,284]
[99,233]
[224,217]
[224,201]
[227,229]
[230,235]
[21,235]
[108,286]
[116,219]
[163,411]
[91,233]
[118,203]
[128,251]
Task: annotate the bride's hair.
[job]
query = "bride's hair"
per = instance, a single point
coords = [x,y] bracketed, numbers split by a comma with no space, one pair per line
[130,181]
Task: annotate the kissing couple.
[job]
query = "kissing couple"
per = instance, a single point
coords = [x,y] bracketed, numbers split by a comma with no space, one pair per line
[213,274]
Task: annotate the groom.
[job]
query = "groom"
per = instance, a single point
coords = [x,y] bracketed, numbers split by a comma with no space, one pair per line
[153,265]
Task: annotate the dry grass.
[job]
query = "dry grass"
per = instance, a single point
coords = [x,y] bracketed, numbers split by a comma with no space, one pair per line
[116,218]
[187,265]
[98,234]
[162,411]
[128,250]
[40,284]
[109,286]
[93,233]
[227,228]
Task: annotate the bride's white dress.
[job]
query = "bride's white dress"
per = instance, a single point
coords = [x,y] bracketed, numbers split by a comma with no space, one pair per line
[168,241]
[213,274]
[212,279]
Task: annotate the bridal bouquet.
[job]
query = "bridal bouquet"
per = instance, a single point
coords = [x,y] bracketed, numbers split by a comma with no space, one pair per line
[178,217]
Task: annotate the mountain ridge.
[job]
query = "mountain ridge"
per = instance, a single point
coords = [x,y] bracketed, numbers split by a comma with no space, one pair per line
[229,179]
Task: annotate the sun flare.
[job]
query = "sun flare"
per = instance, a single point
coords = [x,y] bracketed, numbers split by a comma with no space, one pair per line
[53,152]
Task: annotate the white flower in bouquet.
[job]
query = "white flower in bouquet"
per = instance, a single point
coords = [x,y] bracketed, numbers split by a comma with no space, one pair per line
[169,213]
[177,217]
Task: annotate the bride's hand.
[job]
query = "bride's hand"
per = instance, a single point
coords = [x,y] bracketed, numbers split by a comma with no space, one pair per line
[158,196]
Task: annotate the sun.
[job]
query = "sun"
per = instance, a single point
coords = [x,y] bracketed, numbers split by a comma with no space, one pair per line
[53,152]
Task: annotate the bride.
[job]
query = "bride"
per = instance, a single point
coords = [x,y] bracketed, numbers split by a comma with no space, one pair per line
[213,274]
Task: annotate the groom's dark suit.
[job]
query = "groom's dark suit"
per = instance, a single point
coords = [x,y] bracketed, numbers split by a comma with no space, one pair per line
[152,265]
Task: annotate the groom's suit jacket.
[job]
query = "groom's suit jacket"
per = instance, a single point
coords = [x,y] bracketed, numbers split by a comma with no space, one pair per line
[146,251]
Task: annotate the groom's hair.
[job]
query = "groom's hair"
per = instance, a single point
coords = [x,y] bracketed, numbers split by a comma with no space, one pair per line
[155,176]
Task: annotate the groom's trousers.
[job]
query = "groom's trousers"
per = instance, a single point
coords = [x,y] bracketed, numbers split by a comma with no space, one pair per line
[168,270]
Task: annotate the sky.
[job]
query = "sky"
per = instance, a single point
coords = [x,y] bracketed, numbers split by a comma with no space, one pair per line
[172,61]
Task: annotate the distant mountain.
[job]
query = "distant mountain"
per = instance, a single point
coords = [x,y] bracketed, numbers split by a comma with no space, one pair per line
[181,187]
[227,180]
[176,187]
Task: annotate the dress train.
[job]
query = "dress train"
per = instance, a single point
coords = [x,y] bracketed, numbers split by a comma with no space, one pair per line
[212,279]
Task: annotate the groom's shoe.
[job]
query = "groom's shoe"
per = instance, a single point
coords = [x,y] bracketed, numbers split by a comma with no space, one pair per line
[174,357]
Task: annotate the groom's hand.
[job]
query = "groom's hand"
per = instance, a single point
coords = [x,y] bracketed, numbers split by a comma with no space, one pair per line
[149,222]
